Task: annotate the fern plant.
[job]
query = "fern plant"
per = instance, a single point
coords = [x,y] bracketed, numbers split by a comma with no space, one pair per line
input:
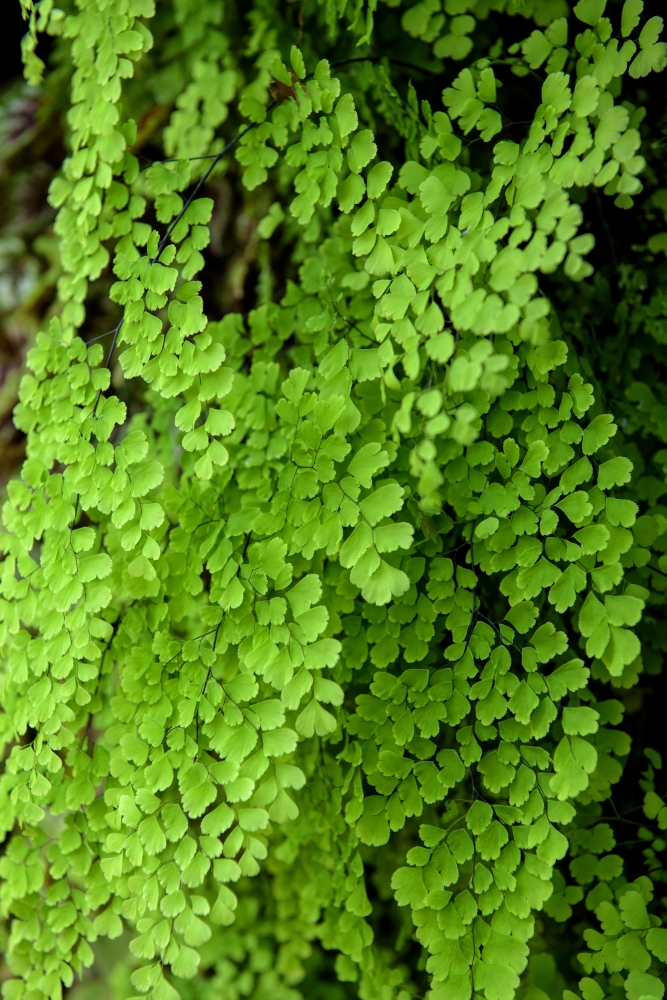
[319,620]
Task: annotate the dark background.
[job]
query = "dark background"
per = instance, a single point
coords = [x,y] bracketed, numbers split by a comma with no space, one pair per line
[13,29]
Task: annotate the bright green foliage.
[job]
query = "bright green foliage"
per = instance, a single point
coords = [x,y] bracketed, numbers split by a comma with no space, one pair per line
[327,617]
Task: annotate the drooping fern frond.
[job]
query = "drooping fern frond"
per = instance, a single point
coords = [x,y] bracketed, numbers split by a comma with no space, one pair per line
[315,611]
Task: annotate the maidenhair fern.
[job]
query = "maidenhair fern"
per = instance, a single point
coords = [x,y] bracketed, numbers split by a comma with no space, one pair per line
[314,618]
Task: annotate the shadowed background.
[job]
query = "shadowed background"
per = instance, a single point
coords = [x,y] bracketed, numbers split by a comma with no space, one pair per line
[30,153]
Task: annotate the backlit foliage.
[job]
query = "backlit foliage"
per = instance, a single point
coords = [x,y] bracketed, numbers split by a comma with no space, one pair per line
[316,619]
